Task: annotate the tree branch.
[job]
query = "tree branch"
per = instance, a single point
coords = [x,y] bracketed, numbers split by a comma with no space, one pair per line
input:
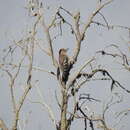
[49,41]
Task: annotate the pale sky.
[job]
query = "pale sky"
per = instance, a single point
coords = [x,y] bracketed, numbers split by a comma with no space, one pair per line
[15,25]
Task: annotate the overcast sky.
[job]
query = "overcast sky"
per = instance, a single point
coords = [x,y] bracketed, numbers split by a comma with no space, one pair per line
[15,23]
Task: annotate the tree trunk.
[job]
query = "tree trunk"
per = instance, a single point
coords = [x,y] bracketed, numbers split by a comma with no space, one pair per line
[63,122]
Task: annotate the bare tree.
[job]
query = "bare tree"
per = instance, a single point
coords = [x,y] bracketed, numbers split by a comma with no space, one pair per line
[75,79]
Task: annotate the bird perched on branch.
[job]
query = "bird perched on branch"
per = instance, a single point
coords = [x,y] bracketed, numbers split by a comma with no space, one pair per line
[64,64]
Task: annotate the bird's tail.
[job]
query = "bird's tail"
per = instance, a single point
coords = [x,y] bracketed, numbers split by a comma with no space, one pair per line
[66,73]
[65,76]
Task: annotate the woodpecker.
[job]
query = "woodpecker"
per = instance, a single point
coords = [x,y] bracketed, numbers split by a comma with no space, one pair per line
[64,64]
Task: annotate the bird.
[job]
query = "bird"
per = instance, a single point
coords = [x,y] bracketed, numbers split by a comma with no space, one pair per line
[64,64]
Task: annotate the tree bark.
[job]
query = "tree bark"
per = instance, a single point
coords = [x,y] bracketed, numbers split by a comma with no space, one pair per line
[63,123]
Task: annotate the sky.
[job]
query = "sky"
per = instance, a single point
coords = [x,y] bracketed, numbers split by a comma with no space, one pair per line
[15,24]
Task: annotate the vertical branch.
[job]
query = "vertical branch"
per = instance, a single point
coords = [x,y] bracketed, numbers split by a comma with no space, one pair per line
[29,86]
[63,122]
[12,81]
[3,125]
[100,6]
[11,90]
[77,18]
[80,35]
[20,104]
[48,37]
[85,124]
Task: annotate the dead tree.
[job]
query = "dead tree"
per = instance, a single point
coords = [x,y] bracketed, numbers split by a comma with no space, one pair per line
[70,82]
